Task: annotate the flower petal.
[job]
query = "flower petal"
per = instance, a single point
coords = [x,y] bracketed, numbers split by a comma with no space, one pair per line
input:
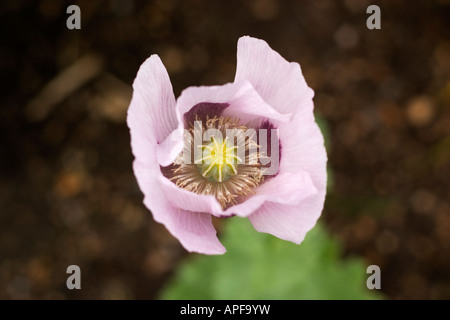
[287,188]
[170,148]
[151,115]
[288,222]
[194,230]
[151,119]
[280,83]
[188,200]
[303,150]
[247,104]
[284,189]
[242,99]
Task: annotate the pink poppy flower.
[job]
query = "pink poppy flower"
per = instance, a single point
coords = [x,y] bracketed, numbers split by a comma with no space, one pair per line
[250,148]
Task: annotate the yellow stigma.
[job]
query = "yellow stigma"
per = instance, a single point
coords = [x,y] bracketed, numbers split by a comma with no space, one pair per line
[218,162]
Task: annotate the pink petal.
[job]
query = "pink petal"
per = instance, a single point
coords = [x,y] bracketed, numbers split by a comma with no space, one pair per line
[280,83]
[284,188]
[244,102]
[247,104]
[151,118]
[288,222]
[188,200]
[302,150]
[170,148]
[287,188]
[194,230]
[151,115]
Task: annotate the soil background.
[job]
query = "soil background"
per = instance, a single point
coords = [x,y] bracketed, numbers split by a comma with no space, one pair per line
[67,191]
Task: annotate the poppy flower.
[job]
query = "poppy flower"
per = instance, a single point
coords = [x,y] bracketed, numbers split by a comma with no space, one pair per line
[249,148]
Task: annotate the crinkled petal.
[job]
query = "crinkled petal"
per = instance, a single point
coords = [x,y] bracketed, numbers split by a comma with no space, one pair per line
[188,200]
[151,119]
[242,99]
[279,82]
[302,150]
[247,105]
[170,148]
[284,188]
[288,188]
[194,230]
[289,222]
[151,115]
[153,99]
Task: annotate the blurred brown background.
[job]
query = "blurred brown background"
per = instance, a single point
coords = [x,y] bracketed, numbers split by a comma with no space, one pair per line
[67,191]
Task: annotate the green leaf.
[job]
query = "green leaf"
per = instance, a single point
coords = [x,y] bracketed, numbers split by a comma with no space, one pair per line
[260,266]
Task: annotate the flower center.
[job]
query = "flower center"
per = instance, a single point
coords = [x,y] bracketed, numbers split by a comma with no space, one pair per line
[219,160]
[217,169]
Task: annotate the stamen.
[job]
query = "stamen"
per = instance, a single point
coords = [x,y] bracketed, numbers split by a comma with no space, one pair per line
[231,165]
